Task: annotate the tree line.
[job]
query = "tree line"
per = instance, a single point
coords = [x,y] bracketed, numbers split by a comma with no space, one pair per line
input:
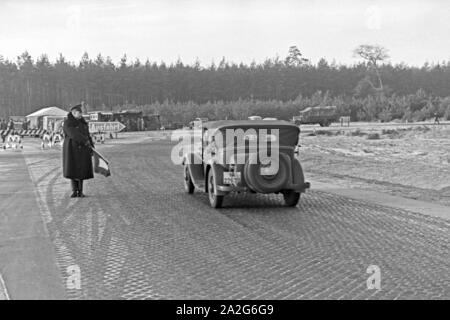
[418,106]
[276,87]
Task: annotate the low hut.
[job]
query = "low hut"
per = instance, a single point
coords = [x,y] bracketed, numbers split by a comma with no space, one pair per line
[37,118]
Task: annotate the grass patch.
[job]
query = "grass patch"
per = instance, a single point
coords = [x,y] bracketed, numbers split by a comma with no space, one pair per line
[357,133]
[390,131]
[422,129]
[325,133]
[373,136]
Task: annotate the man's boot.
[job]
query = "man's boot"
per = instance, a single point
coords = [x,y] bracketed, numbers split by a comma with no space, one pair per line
[80,189]
[74,184]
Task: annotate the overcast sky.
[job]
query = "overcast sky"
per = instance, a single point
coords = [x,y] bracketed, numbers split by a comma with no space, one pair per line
[414,31]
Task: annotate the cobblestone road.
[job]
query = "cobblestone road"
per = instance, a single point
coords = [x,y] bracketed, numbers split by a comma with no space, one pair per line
[140,236]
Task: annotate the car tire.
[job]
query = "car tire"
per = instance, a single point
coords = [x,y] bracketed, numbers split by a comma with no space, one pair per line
[263,184]
[188,184]
[291,198]
[214,200]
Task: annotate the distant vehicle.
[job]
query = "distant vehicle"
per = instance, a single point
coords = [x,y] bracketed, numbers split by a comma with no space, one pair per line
[152,122]
[206,168]
[254,118]
[270,119]
[324,116]
[171,126]
[197,123]
[201,120]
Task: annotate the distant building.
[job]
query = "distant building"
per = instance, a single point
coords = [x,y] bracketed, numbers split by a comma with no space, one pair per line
[37,118]
[133,120]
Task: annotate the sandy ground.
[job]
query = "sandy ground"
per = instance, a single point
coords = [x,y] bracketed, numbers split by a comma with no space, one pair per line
[411,162]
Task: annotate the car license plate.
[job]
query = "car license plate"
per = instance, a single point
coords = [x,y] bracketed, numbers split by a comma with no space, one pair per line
[231,178]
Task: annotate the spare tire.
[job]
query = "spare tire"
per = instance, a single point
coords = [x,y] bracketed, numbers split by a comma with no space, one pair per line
[267,184]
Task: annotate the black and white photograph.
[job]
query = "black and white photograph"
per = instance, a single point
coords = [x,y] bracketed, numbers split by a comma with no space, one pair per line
[224,155]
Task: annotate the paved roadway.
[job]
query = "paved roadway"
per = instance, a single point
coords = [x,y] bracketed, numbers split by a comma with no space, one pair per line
[140,236]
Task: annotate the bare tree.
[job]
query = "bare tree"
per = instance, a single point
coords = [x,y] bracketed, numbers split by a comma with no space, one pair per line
[374,55]
[295,57]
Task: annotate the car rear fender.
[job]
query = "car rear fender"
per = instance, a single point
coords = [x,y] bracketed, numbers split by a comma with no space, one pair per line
[297,172]
[218,173]
[298,179]
[195,166]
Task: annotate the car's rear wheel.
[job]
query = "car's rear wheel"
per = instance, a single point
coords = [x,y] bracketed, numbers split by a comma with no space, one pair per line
[214,200]
[188,184]
[291,198]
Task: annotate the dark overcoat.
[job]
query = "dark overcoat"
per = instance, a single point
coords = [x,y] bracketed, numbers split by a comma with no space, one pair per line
[77,161]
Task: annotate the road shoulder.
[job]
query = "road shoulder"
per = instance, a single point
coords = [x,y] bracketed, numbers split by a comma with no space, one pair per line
[27,258]
[417,206]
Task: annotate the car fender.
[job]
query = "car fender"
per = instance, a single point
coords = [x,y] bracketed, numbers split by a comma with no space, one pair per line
[218,173]
[297,172]
[195,166]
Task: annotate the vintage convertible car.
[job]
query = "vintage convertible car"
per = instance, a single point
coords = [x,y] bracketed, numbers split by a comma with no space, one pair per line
[258,156]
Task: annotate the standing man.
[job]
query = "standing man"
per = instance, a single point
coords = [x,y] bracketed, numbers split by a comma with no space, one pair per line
[11,125]
[77,162]
[436,118]
[25,125]
[3,128]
